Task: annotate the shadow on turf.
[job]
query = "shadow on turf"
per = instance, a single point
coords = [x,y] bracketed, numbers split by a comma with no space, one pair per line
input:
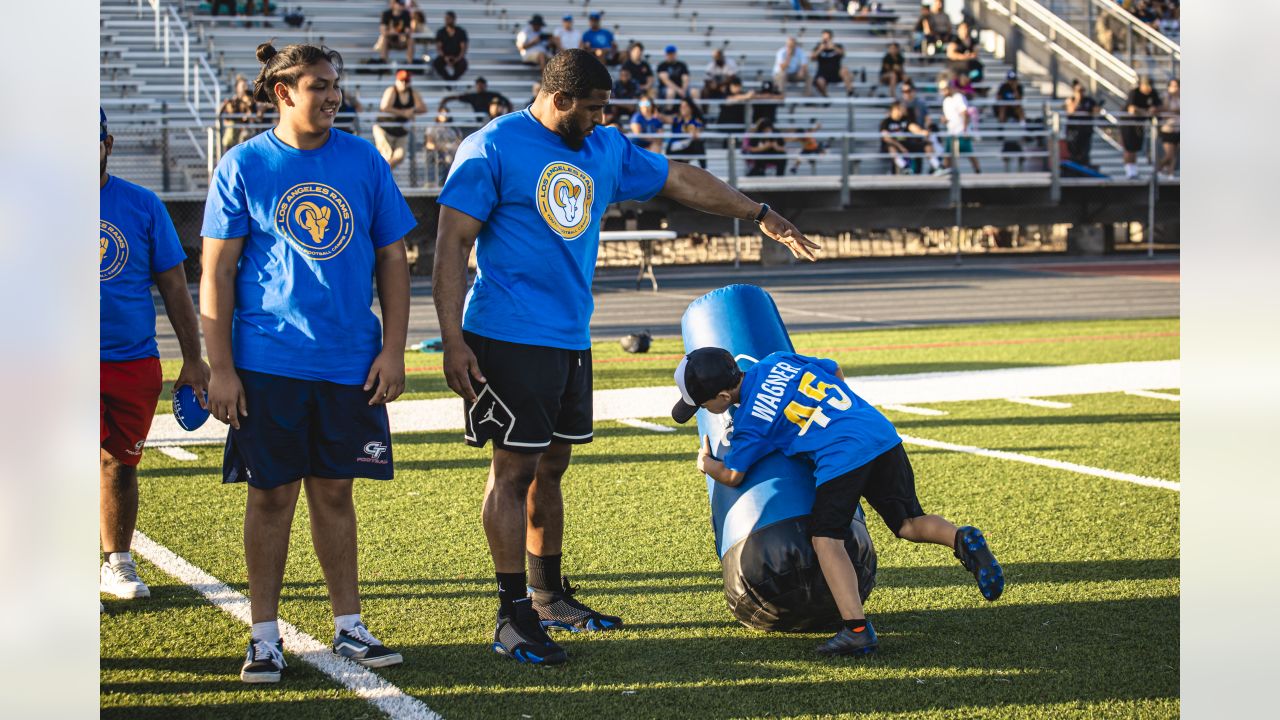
[978,660]
[1023,421]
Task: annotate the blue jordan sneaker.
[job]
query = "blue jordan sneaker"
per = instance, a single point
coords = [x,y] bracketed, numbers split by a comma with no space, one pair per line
[359,645]
[973,552]
[860,641]
[558,609]
[520,636]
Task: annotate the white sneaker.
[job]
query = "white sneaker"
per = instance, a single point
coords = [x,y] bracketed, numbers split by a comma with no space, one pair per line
[121,579]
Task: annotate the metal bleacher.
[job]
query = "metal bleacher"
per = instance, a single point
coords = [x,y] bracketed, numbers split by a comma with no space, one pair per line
[174,142]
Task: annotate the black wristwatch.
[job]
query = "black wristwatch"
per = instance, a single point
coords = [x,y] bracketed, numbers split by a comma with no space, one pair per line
[764,211]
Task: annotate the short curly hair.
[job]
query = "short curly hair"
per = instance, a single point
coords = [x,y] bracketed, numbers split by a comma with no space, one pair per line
[575,73]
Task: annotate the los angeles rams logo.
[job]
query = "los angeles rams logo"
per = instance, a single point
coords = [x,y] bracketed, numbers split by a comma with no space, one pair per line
[565,194]
[316,219]
[113,251]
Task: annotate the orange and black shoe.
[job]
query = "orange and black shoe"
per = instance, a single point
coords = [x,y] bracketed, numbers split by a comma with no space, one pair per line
[973,552]
[857,640]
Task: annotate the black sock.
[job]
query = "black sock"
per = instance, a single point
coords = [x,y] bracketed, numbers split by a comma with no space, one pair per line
[544,572]
[854,624]
[511,587]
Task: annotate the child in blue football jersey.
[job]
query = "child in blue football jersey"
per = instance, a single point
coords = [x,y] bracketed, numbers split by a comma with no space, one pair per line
[800,405]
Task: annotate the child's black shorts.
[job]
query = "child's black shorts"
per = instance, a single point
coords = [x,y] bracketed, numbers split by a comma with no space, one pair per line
[888,484]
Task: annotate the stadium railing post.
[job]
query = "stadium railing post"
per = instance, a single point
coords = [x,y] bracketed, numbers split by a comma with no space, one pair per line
[1153,187]
[955,195]
[1055,158]
[413,153]
[165,180]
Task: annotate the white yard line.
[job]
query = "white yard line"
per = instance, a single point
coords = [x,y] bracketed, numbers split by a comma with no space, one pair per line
[178,453]
[1045,462]
[645,425]
[1154,395]
[368,685]
[1037,402]
[912,410]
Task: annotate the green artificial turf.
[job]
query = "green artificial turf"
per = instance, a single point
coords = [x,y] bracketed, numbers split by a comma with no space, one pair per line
[867,352]
[1088,625]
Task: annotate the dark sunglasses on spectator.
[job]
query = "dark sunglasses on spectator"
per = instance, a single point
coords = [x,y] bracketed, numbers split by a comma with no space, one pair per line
[908,89]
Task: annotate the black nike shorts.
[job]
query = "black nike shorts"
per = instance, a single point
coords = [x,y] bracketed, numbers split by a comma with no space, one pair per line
[534,395]
[887,482]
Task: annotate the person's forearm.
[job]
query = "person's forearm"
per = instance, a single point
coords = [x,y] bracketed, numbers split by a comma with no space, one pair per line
[217,303]
[696,188]
[172,285]
[393,295]
[449,284]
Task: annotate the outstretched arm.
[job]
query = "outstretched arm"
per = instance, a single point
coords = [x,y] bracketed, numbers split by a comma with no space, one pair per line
[694,187]
[715,468]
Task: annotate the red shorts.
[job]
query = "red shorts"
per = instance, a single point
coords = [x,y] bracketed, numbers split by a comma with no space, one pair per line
[127,400]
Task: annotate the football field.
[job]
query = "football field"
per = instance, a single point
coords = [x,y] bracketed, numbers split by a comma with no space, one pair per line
[1078,493]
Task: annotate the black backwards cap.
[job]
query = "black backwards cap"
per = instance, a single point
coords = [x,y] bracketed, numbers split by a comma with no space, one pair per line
[700,376]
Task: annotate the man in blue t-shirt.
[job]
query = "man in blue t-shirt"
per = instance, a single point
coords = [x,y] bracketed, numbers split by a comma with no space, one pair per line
[137,248]
[529,190]
[599,40]
[799,405]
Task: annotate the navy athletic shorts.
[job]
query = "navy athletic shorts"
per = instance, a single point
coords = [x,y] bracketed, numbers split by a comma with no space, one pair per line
[888,484]
[298,428]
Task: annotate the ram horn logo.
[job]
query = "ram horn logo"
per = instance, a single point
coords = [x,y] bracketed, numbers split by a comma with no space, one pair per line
[102,249]
[314,218]
[568,196]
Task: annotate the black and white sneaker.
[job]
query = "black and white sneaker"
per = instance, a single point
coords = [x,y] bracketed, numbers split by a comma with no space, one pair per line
[520,636]
[121,579]
[359,645]
[263,662]
[558,609]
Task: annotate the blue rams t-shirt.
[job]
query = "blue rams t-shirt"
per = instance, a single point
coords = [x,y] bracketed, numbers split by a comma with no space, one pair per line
[541,205]
[647,126]
[136,241]
[304,285]
[598,39]
[797,405]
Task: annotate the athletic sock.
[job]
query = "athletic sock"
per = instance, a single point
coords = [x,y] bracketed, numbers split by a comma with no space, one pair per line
[856,625]
[511,587]
[268,631]
[544,572]
[118,557]
[344,623]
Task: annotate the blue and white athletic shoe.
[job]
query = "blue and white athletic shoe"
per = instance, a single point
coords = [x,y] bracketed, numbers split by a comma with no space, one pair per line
[263,662]
[359,645]
[559,610]
[520,637]
[976,556]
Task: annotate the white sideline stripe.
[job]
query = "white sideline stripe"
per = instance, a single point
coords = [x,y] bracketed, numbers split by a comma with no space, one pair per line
[1037,402]
[178,453]
[912,410]
[1154,395]
[386,697]
[655,402]
[1046,462]
[645,425]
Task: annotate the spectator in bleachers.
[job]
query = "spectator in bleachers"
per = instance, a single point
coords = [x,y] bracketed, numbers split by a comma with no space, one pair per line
[962,83]
[625,87]
[810,146]
[640,69]
[1142,104]
[766,101]
[829,56]
[450,61]
[348,118]
[647,120]
[790,64]
[673,77]
[715,82]
[901,137]
[920,30]
[479,99]
[1009,100]
[763,141]
[395,31]
[566,37]
[237,113]
[1170,128]
[497,108]
[216,6]
[249,7]
[937,29]
[960,122]
[400,104]
[915,105]
[1081,112]
[534,43]
[734,110]
[599,40]
[892,67]
[962,55]
[441,142]
[417,28]
[687,121]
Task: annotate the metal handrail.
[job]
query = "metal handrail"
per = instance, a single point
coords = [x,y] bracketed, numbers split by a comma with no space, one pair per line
[1151,36]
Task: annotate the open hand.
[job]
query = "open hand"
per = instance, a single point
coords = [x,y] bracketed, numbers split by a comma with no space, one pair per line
[781,229]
